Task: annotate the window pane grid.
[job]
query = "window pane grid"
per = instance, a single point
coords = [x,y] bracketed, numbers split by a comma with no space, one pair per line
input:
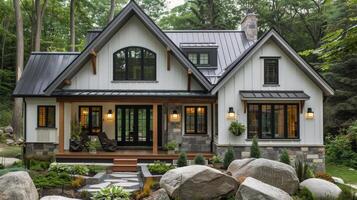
[196,120]
[46,116]
[204,59]
[271,74]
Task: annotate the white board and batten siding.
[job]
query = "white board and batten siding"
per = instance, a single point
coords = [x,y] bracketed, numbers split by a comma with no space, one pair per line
[251,77]
[133,33]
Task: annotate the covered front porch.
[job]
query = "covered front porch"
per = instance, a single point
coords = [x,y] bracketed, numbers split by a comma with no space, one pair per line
[141,126]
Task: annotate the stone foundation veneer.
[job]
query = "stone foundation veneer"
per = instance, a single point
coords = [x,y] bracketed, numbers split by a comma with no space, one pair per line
[41,150]
[314,155]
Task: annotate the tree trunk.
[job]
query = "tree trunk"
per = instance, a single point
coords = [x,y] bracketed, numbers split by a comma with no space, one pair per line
[72,27]
[5,27]
[17,111]
[37,24]
[111,11]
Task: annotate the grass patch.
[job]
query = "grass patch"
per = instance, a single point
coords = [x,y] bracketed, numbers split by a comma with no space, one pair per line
[349,176]
[11,151]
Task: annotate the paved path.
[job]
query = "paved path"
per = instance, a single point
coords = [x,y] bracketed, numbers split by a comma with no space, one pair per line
[127,180]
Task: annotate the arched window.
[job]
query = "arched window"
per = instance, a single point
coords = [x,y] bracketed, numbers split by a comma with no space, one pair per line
[134,63]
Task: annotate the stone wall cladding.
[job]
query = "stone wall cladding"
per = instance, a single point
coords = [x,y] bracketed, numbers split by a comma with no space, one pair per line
[196,143]
[42,150]
[313,155]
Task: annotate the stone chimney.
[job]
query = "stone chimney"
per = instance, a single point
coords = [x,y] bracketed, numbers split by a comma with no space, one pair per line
[250,26]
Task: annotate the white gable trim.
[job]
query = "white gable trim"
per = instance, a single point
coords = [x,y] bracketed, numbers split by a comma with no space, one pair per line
[272,34]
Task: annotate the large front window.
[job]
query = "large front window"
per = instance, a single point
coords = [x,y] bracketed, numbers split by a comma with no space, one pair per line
[196,120]
[134,63]
[90,119]
[273,121]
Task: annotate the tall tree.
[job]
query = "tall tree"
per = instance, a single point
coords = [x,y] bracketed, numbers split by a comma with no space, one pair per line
[72,27]
[156,9]
[37,18]
[111,10]
[17,111]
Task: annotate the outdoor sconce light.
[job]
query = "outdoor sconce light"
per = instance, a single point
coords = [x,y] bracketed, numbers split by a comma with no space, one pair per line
[174,116]
[110,114]
[309,114]
[231,114]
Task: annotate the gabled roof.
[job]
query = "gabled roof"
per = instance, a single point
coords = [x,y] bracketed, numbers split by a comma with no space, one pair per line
[274,35]
[41,69]
[101,39]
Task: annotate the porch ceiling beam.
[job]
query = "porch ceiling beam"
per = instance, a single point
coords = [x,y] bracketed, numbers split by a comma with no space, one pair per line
[93,58]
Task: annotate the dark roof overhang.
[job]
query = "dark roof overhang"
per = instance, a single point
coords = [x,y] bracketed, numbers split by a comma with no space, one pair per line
[247,95]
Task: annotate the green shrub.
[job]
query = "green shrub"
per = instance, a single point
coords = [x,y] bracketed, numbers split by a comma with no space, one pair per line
[159,167]
[70,169]
[182,160]
[254,149]
[236,128]
[347,193]
[228,157]
[51,180]
[38,165]
[85,195]
[199,160]
[5,111]
[284,157]
[305,194]
[303,170]
[171,145]
[339,149]
[216,159]
[112,193]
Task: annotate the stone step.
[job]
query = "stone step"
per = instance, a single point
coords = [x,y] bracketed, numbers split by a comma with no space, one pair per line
[124,175]
[125,161]
[100,185]
[125,168]
[127,184]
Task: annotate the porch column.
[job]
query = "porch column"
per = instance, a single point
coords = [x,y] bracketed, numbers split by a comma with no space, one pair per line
[154,130]
[61,128]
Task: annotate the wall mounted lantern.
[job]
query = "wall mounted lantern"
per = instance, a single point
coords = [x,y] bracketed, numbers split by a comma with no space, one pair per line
[231,114]
[110,114]
[174,116]
[309,114]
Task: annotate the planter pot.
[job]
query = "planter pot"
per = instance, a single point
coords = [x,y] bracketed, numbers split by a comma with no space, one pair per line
[218,165]
[170,152]
[75,145]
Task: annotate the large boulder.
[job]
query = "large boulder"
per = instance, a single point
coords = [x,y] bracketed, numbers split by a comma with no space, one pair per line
[10,141]
[271,172]
[17,185]
[8,162]
[8,129]
[252,188]
[197,182]
[321,189]
[160,194]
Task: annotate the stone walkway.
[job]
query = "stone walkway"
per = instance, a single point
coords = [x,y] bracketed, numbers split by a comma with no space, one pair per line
[127,180]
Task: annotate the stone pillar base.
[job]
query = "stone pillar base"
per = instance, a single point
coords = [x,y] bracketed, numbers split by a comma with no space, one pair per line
[42,151]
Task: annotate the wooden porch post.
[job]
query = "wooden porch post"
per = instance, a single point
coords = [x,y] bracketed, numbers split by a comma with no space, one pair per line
[61,127]
[154,131]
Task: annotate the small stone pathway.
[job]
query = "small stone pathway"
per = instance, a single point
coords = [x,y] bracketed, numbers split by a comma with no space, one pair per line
[127,180]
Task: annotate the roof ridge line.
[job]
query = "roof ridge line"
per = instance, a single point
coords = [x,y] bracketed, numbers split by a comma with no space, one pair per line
[203,30]
[54,53]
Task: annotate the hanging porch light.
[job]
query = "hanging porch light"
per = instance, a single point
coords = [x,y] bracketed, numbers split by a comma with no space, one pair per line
[309,114]
[231,114]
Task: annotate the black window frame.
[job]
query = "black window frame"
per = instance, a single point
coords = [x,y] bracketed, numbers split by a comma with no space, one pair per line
[273,121]
[90,118]
[142,64]
[198,55]
[275,80]
[212,56]
[195,118]
[46,116]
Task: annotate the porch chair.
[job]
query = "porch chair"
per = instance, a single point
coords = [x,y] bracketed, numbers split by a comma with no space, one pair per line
[107,144]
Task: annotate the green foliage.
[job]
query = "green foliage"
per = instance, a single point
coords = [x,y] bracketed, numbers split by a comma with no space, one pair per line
[171,145]
[112,193]
[51,179]
[91,145]
[38,165]
[344,172]
[11,152]
[70,169]
[284,157]
[182,160]
[5,112]
[236,128]
[199,160]
[347,192]
[228,157]
[159,167]
[216,159]
[305,194]
[75,130]
[339,149]
[254,149]
[303,170]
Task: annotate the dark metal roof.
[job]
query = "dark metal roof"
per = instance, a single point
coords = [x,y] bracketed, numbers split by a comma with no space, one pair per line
[130,93]
[41,69]
[273,94]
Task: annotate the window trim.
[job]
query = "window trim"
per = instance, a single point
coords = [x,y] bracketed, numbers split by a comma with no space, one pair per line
[195,119]
[46,116]
[198,55]
[125,49]
[276,82]
[90,117]
[273,121]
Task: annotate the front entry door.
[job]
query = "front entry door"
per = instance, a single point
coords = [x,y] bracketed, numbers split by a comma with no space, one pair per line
[134,125]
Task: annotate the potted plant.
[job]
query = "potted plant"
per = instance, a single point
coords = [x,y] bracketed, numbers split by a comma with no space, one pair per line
[217,162]
[171,147]
[75,140]
[92,147]
[236,128]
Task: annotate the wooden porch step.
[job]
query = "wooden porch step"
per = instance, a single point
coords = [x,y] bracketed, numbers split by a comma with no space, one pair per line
[125,165]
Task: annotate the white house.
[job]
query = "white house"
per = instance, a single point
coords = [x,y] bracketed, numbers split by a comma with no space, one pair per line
[144,87]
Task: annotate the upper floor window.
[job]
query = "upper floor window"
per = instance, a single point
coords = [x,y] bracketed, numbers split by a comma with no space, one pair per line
[200,59]
[271,71]
[46,116]
[134,63]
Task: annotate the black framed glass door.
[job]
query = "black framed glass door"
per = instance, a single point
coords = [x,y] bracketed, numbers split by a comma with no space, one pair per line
[133,125]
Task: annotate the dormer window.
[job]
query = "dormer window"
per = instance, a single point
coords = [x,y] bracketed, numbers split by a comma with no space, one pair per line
[271,71]
[199,59]
[202,55]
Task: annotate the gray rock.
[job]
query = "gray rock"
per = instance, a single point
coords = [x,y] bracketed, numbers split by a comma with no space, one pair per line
[252,188]
[271,172]
[160,194]
[338,180]
[17,185]
[321,189]
[8,162]
[56,198]
[197,182]
[8,129]
[1,131]
[10,141]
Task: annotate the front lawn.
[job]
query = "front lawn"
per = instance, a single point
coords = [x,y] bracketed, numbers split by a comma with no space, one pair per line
[10,151]
[349,176]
